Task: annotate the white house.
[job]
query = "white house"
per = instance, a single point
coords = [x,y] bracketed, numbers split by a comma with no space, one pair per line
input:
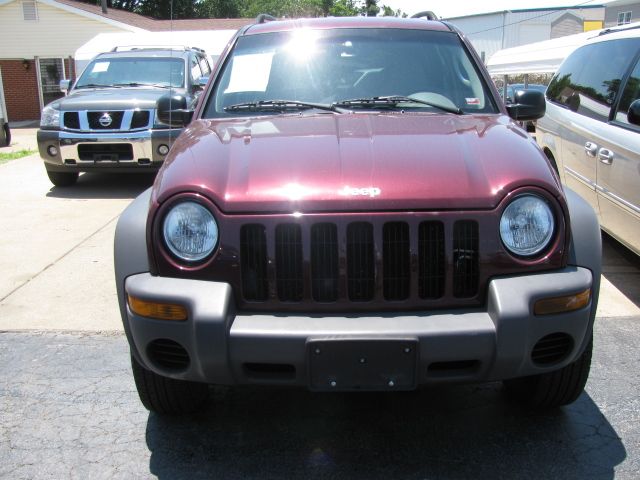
[39,39]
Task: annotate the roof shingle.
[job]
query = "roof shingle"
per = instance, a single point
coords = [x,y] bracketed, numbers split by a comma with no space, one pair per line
[153,25]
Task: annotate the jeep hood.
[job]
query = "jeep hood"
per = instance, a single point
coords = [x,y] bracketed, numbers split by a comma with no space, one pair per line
[354,162]
[111,99]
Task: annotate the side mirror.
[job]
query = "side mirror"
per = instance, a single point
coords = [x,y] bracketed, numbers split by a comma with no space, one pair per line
[202,81]
[633,115]
[527,105]
[64,86]
[173,111]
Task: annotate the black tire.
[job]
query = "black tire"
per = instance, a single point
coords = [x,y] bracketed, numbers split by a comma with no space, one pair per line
[63,179]
[167,396]
[553,389]
[5,136]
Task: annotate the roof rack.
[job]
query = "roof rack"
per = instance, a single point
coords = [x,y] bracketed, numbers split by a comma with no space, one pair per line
[428,14]
[126,48]
[265,17]
[606,31]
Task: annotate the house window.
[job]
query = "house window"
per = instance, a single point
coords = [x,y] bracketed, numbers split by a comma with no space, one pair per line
[624,18]
[29,10]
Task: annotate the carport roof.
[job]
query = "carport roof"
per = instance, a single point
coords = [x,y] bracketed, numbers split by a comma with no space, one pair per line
[542,57]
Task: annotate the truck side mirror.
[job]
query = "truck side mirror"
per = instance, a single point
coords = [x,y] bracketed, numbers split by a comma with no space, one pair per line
[64,86]
[173,111]
[527,105]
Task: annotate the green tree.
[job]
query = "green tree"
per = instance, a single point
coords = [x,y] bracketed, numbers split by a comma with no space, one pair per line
[344,8]
[371,8]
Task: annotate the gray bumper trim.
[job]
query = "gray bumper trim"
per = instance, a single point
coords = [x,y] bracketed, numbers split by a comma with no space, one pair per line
[499,338]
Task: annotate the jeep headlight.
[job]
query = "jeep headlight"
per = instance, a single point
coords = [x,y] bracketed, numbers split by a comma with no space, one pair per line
[50,116]
[527,225]
[190,231]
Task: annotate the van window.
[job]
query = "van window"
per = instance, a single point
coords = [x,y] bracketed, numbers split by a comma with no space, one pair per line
[589,80]
[630,93]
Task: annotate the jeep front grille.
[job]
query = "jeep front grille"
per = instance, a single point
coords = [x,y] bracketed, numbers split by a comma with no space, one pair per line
[359,262]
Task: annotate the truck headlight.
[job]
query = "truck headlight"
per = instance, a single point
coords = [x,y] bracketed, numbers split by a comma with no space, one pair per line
[190,231]
[527,225]
[50,116]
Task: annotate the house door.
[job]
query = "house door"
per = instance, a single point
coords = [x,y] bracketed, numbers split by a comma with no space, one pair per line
[50,72]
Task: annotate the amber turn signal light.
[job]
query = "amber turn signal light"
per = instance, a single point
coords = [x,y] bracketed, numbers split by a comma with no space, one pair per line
[567,303]
[160,311]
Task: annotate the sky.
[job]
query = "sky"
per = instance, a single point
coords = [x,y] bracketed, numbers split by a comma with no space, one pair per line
[459,8]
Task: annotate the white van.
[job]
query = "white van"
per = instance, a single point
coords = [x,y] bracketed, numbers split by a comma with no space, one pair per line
[591,129]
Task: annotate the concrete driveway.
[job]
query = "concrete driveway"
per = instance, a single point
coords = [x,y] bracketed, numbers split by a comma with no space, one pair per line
[56,254]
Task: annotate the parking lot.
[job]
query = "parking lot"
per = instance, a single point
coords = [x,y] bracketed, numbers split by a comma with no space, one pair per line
[70,409]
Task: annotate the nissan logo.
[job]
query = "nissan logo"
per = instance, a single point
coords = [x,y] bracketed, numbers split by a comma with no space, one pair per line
[105,120]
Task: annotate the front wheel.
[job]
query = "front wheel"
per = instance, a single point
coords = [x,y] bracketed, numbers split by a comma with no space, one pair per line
[553,389]
[165,395]
[63,179]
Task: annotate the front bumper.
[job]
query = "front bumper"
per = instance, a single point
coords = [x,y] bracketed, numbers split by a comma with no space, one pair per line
[226,347]
[97,156]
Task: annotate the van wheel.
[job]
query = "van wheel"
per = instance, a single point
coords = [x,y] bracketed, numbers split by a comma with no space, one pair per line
[63,179]
[168,396]
[553,389]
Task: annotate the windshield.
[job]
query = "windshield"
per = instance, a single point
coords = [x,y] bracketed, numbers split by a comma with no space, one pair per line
[133,71]
[330,67]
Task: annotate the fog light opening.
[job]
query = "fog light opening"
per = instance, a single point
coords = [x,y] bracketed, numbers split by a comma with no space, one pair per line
[52,150]
[157,310]
[163,149]
[566,303]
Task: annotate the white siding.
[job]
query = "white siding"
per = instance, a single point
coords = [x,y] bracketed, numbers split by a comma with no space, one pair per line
[484,32]
[56,33]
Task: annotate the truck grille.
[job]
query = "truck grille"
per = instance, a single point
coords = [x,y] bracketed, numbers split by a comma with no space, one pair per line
[120,120]
[95,118]
[359,262]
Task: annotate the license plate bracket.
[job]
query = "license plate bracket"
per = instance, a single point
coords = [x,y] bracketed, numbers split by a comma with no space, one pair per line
[362,364]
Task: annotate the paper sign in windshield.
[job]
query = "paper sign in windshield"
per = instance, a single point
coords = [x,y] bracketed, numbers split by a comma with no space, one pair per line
[250,73]
[100,67]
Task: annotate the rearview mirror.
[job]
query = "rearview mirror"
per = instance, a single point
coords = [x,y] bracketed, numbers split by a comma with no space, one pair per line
[172,110]
[527,105]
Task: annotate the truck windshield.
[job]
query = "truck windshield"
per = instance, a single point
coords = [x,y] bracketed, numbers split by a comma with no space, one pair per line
[133,71]
[353,68]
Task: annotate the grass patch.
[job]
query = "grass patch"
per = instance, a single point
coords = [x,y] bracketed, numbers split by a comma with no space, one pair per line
[5,157]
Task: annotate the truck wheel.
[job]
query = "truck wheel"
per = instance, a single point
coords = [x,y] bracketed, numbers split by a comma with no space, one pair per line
[63,179]
[166,395]
[4,136]
[553,389]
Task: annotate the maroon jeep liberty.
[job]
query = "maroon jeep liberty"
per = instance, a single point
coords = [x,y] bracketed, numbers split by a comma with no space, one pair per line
[351,207]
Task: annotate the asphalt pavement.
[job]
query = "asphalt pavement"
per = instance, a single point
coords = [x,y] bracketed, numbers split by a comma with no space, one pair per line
[70,410]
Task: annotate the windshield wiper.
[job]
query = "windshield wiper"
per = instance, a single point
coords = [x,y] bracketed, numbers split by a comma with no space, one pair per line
[393,101]
[137,84]
[281,106]
[97,85]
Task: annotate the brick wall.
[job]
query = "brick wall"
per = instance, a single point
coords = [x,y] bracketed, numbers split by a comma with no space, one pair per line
[20,90]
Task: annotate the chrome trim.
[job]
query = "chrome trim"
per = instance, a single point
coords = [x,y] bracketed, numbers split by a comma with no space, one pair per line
[622,203]
[582,179]
[139,141]
[125,125]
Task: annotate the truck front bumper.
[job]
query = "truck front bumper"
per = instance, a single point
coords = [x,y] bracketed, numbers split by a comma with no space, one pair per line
[64,151]
[374,352]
